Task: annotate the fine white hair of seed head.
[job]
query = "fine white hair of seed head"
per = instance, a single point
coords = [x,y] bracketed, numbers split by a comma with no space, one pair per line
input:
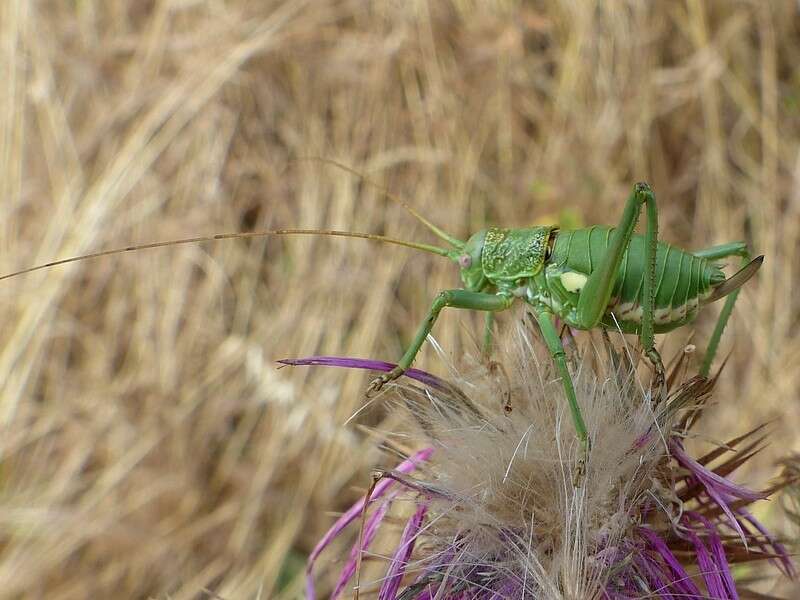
[505,454]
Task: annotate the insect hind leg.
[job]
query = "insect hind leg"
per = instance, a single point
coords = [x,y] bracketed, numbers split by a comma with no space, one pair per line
[594,298]
[716,253]
[724,251]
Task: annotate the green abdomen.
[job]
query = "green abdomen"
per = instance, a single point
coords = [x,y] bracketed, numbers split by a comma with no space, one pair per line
[683,280]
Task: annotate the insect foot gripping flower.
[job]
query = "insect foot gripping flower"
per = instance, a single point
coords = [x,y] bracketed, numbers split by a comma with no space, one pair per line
[487,509]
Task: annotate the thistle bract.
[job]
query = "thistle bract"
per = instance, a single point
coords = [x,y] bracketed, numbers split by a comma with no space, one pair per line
[487,508]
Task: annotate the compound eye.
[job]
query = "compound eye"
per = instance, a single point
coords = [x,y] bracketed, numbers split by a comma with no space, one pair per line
[465,261]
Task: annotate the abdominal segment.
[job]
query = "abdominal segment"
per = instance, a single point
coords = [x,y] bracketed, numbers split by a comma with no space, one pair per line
[682,281]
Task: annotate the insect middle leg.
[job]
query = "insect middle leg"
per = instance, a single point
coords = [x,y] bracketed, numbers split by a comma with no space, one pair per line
[717,253]
[596,294]
[551,338]
[453,298]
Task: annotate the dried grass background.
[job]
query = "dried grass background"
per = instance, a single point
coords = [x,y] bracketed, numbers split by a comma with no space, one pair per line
[150,448]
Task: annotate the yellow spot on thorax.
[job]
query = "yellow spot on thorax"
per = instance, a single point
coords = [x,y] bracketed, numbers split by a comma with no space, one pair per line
[573,282]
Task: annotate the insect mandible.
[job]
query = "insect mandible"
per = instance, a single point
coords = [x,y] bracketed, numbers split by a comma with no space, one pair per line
[593,277]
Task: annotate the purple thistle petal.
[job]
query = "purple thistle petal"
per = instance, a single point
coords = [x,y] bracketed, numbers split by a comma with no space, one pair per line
[783,562]
[732,520]
[709,570]
[609,555]
[657,579]
[717,553]
[311,591]
[720,490]
[368,364]
[354,512]
[397,570]
[432,586]
[370,531]
[681,579]
[642,440]
[710,478]
[509,589]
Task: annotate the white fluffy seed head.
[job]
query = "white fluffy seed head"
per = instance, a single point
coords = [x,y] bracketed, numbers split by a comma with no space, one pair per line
[508,474]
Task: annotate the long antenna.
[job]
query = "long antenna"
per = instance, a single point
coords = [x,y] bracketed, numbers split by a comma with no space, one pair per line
[441,234]
[228,236]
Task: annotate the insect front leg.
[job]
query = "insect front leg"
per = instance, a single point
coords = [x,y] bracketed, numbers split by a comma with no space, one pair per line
[547,326]
[596,294]
[452,298]
[488,334]
[717,253]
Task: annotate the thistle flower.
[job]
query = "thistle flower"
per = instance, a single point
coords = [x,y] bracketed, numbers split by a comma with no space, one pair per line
[491,511]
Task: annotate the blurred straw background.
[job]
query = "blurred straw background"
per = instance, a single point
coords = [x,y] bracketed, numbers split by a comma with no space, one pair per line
[150,448]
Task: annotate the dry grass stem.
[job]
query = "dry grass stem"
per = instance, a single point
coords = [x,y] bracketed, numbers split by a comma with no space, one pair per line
[150,447]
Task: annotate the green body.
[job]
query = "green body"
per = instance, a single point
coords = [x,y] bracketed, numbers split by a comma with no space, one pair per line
[683,280]
[595,277]
[548,267]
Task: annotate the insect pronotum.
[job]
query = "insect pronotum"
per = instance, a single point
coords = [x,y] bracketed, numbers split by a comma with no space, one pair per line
[593,277]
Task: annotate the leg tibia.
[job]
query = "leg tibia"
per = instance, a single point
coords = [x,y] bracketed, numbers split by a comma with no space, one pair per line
[596,293]
[455,299]
[553,342]
[715,253]
[723,251]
